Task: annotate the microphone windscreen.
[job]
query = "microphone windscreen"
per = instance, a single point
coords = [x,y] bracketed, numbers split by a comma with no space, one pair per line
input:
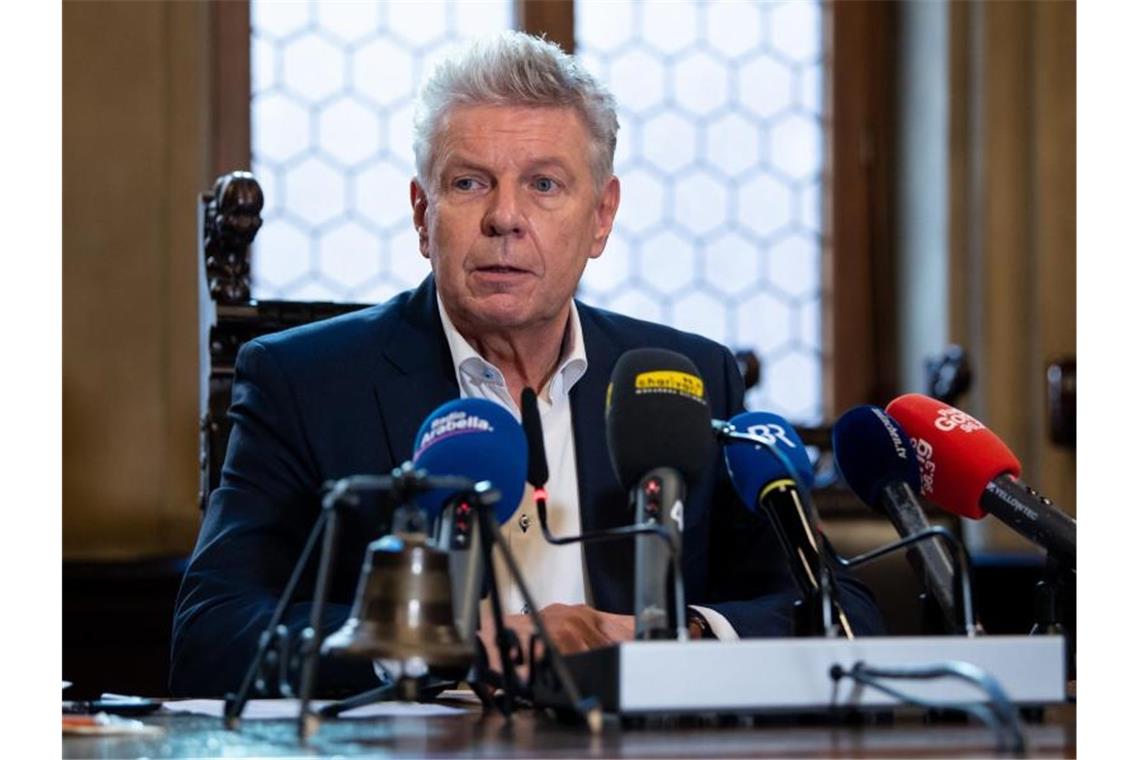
[872,450]
[477,439]
[957,455]
[752,466]
[657,415]
[537,472]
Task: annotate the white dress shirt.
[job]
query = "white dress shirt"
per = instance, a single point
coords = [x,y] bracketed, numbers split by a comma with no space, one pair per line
[552,573]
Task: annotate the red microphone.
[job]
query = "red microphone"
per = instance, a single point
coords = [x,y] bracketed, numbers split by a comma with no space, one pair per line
[966,469]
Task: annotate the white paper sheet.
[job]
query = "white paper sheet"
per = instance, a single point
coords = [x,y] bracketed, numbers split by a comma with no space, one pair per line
[268,709]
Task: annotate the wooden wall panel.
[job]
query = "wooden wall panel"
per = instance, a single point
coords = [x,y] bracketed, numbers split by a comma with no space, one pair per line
[1006,215]
[229,68]
[135,110]
[1013,226]
[1055,170]
[963,114]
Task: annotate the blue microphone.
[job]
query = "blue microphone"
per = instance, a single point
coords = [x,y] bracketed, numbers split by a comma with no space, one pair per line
[773,475]
[753,467]
[873,453]
[875,456]
[476,439]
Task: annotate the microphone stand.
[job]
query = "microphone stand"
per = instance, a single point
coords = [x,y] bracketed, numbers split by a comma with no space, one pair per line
[273,644]
[401,487]
[588,708]
[1047,618]
[963,569]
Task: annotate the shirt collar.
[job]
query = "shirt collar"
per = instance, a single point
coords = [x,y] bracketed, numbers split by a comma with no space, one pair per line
[468,363]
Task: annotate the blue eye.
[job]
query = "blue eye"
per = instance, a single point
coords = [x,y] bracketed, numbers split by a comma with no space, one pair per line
[464,183]
[544,184]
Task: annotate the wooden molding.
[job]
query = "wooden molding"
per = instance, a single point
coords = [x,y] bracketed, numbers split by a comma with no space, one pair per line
[231,88]
[859,335]
[552,18]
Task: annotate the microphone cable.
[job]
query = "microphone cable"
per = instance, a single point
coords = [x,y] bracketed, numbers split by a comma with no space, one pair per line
[997,713]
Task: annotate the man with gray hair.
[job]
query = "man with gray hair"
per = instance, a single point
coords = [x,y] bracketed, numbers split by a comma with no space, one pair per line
[514,192]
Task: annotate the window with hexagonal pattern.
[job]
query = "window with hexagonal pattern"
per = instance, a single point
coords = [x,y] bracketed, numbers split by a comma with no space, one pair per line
[333,85]
[719,155]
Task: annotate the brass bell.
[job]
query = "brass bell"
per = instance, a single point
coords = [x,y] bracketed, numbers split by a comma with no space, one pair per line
[403,608]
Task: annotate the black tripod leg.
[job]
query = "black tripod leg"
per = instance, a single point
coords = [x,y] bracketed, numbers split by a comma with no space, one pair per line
[379,694]
[307,721]
[235,703]
[502,641]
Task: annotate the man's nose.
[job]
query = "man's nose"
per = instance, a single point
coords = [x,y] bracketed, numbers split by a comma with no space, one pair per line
[504,215]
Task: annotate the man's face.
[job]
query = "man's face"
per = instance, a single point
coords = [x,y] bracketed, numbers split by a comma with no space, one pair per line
[512,215]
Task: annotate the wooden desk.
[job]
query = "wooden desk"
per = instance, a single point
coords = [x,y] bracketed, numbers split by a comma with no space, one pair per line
[537,736]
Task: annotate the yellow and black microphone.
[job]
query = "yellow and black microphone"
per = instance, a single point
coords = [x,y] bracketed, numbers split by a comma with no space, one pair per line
[658,428]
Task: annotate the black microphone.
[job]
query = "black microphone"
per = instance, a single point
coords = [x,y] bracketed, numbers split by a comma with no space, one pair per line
[658,432]
[877,460]
[537,470]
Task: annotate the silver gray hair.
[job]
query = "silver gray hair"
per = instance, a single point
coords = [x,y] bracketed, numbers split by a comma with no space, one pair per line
[514,69]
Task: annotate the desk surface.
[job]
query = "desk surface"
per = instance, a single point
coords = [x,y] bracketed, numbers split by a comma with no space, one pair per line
[535,735]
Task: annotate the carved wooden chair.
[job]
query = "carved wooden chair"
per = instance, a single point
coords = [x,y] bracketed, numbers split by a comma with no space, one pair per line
[228,220]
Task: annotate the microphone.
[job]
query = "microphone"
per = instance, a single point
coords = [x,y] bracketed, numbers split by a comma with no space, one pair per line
[537,470]
[763,480]
[878,462]
[481,440]
[477,439]
[657,430]
[966,469]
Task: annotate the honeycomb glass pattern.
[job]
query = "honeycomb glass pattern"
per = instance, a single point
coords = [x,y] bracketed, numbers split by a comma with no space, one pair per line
[331,130]
[720,157]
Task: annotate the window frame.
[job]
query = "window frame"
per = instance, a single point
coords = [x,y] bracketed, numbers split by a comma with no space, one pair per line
[859,348]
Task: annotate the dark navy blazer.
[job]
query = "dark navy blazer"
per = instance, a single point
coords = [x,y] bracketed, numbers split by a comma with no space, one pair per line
[346,396]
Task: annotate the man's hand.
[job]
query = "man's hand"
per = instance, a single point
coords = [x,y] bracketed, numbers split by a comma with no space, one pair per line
[572,628]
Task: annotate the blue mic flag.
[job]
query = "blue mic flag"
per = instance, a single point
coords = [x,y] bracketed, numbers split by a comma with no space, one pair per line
[752,466]
[473,438]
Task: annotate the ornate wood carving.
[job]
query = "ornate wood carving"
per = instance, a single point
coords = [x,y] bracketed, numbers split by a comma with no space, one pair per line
[231,221]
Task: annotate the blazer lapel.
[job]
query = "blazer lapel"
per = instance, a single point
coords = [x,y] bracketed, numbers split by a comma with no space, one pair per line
[421,376]
[602,502]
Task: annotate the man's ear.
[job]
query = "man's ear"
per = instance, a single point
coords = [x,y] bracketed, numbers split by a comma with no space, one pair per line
[419,200]
[604,213]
